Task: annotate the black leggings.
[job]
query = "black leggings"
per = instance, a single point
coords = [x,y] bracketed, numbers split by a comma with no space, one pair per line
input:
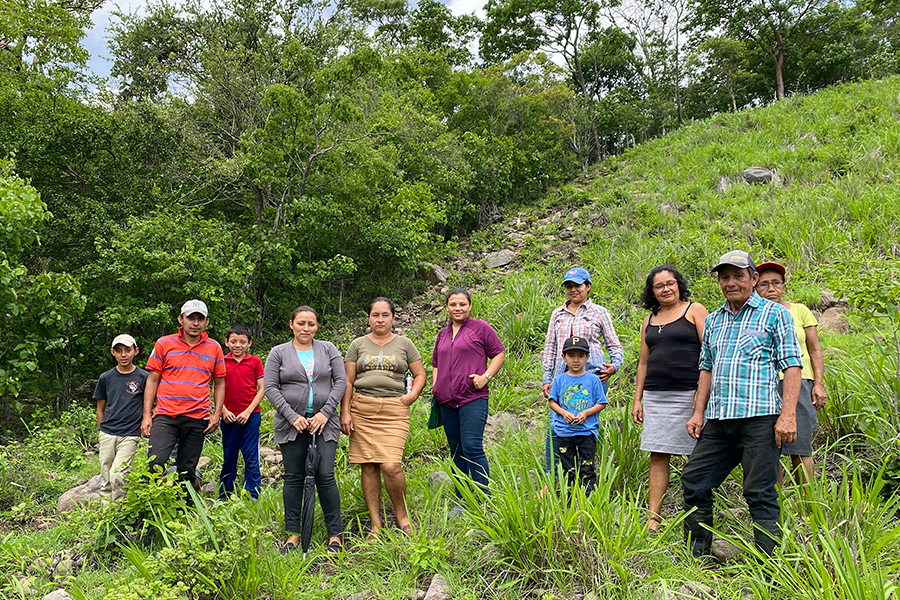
[294,455]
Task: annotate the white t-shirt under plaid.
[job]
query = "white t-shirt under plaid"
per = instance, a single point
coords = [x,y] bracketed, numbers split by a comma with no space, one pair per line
[591,322]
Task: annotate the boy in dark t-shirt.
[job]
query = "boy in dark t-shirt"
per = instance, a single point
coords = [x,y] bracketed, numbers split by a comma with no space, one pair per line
[120,408]
[575,398]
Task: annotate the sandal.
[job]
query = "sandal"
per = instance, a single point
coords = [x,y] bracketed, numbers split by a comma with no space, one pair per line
[288,548]
[407,529]
[653,530]
[334,547]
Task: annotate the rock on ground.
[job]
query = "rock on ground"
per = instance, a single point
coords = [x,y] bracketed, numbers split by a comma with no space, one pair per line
[86,492]
[502,422]
[439,479]
[58,595]
[495,260]
[758,175]
[724,551]
[434,274]
[829,300]
[439,588]
[203,462]
[833,319]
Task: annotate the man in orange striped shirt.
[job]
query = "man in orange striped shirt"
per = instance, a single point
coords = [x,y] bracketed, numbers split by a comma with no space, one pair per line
[181,368]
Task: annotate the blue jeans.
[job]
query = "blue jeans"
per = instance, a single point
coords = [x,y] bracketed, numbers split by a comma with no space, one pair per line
[244,439]
[723,445]
[464,427]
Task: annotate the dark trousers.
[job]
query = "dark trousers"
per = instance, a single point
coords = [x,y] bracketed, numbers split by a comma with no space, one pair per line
[464,427]
[723,445]
[185,431]
[576,456]
[294,455]
[244,439]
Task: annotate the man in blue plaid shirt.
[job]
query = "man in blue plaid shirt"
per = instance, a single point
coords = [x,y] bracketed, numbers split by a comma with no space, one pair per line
[746,343]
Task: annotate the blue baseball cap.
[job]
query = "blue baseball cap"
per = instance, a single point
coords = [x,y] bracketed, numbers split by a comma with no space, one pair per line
[577,275]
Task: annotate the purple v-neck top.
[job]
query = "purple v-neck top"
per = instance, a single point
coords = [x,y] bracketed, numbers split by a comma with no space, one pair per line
[458,358]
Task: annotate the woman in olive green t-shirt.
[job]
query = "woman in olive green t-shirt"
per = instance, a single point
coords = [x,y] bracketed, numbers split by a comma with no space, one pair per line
[375,410]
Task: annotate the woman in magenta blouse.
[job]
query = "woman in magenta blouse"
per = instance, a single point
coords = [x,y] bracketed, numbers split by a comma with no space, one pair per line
[461,375]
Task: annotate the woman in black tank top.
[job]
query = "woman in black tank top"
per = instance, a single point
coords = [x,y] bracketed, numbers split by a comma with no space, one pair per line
[667,376]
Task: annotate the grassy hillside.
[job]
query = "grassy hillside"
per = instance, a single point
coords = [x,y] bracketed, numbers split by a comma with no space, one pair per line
[832,216]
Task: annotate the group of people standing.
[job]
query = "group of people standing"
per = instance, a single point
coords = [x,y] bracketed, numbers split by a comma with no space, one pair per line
[707,386]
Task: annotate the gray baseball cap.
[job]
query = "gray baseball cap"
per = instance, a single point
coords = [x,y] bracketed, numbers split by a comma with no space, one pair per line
[194,306]
[735,258]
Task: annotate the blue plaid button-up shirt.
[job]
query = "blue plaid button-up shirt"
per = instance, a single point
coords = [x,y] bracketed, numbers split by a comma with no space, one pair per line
[745,352]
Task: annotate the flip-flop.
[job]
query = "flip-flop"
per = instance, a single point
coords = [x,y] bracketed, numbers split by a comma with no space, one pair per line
[654,530]
[407,529]
[288,548]
[334,547]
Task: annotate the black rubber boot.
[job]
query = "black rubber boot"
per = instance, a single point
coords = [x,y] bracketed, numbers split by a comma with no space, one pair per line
[699,537]
[766,535]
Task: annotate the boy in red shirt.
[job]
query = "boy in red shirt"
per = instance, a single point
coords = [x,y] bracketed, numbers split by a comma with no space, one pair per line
[181,368]
[241,417]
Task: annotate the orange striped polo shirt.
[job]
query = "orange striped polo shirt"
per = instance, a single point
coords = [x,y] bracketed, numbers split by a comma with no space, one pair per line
[186,372]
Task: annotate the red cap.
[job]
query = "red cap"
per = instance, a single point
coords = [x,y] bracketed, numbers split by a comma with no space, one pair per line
[771,266]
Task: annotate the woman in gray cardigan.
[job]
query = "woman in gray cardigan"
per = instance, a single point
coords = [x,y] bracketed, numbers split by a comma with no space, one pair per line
[304,382]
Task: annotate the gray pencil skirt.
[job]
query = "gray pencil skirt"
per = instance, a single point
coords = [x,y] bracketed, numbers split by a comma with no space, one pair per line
[666,414]
[806,421]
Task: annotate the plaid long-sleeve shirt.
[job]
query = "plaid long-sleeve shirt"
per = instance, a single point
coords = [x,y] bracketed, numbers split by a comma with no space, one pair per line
[589,321]
[745,352]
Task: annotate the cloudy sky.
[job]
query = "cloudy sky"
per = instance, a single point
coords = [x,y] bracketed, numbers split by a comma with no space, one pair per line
[96,40]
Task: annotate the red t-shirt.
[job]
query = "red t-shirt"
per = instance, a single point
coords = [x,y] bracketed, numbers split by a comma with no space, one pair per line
[186,372]
[240,381]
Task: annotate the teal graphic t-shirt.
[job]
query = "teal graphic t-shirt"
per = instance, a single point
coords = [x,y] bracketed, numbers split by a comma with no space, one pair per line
[576,394]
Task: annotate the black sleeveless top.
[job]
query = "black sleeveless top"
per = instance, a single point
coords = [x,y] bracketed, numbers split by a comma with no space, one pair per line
[673,363]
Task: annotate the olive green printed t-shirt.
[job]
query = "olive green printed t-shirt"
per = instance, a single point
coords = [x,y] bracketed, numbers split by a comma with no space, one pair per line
[381,370]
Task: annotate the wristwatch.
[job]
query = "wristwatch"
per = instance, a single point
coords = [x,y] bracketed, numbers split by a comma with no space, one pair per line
[488,376]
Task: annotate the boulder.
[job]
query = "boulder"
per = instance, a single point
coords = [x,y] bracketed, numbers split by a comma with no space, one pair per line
[208,488]
[758,175]
[833,319]
[829,300]
[724,551]
[502,422]
[86,492]
[495,260]
[440,479]
[58,595]
[434,274]
[439,588]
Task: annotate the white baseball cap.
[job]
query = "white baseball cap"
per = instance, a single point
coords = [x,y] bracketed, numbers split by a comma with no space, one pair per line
[125,340]
[194,306]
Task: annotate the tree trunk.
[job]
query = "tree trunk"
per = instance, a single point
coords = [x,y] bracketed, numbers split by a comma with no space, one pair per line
[779,75]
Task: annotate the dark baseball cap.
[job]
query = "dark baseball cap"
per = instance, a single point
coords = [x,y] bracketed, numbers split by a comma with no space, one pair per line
[576,343]
[735,258]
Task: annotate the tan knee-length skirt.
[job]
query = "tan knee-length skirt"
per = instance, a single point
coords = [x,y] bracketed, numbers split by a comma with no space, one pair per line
[380,429]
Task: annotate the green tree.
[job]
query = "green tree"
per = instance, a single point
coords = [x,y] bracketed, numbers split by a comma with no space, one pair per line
[774,27]
[39,310]
[563,28]
[722,64]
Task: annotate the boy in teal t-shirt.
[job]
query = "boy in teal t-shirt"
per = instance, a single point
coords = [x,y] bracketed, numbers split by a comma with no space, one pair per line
[575,399]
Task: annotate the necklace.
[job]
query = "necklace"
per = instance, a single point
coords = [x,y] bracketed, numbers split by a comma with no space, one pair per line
[671,312]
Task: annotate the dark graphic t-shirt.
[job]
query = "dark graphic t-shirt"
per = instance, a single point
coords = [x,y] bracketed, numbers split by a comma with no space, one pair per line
[124,395]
